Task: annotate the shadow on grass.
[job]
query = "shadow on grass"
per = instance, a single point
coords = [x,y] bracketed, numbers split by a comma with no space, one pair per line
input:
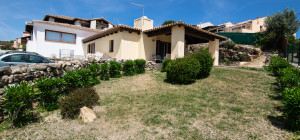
[22,121]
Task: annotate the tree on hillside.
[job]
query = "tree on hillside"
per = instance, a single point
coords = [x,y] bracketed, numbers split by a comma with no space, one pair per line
[168,22]
[283,25]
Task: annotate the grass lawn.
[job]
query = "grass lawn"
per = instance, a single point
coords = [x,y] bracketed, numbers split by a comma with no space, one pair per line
[229,104]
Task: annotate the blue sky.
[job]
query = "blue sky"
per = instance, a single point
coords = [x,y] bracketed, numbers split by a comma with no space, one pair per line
[14,13]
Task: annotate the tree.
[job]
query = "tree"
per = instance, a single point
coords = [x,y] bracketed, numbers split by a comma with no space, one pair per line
[168,22]
[283,25]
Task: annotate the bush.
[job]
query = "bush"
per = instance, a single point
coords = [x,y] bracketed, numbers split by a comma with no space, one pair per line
[288,77]
[183,70]
[206,63]
[140,65]
[18,100]
[50,91]
[104,72]
[128,68]
[291,101]
[79,78]
[165,63]
[71,104]
[95,69]
[115,69]
[278,63]
[227,44]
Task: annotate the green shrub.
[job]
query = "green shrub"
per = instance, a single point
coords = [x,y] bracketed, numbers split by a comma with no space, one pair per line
[115,69]
[227,62]
[95,69]
[288,77]
[183,70]
[228,44]
[140,65]
[50,91]
[206,63]
[278,63]
[291,101]
[128,68]
[70,105]
[165,63]
[79,78]
[104,72]
[18,100]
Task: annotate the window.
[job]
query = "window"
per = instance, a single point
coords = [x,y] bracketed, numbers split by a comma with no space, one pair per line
[91,48]
[37,59]
[15,58]
[111,46]
[60,36]
[261,28]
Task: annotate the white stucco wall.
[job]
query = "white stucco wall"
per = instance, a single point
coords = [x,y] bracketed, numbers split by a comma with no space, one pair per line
[177,42]
[126,45]
[45,48]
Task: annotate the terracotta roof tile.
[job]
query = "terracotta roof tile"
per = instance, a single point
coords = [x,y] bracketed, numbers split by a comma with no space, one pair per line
[186,25]
[111,30]
[76,18]
[67,25]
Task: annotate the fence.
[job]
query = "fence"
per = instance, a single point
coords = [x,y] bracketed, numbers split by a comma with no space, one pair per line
[66,53]
[293,53]
[241,38]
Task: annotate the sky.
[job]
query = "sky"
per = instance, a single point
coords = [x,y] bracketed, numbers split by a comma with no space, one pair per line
[14,13]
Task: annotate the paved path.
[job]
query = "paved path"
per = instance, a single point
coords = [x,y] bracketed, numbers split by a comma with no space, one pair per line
[256,63]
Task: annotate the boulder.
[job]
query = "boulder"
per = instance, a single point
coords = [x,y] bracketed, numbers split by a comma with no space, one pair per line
[87,114]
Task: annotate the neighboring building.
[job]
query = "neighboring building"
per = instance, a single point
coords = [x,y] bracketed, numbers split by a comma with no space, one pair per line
[250,26]
[18,44]
[61,36]
[145,42]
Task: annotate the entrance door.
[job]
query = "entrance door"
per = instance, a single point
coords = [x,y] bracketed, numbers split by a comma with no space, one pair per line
[163,48]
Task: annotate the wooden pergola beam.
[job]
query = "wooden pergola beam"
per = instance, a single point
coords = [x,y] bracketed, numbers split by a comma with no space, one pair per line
[160,32]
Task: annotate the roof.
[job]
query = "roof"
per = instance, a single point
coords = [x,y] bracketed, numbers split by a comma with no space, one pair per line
[111,31]
[67,25]
[132,29]
[185,25]
[76,18]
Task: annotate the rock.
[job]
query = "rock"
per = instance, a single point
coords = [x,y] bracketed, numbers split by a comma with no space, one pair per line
[29,78]
[18,77]
[87,114]
[15,70]
[10,79]
[48,69]
[68,64]
[5,70]
[4,79]
[40,67]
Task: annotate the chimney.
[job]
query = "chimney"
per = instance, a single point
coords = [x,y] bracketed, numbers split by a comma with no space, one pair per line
[257,19]
[93,24]
[143,23]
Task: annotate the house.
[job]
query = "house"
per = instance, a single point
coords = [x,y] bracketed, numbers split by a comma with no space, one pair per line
[143,41]
[61,36]
[18,44]
[249,26]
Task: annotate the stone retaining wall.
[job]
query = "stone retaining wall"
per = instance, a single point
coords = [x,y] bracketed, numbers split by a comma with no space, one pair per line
[30,73]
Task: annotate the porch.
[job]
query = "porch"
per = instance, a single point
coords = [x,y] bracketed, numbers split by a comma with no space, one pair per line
[172,40]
